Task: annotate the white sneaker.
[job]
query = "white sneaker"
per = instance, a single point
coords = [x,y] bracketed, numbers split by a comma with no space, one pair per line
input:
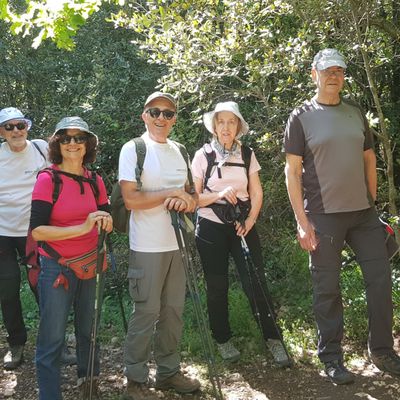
[228,351]
[278,352]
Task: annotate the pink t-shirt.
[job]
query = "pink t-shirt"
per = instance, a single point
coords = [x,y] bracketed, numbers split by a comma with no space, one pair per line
[71,208]
[230,176]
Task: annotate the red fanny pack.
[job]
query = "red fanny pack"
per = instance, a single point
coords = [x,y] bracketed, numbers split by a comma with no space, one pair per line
[84,266]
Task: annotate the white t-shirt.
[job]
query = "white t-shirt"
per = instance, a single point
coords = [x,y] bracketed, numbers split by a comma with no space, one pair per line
[18,172]
[163,168]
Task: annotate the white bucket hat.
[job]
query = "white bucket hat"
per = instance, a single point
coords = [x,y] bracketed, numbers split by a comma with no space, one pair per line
[10,113]
[226,106]
[328,58]
[74,123]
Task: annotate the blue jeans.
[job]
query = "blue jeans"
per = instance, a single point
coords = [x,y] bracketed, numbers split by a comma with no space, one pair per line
[55,305]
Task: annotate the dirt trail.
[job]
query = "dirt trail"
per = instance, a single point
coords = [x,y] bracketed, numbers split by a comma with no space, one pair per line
[258,380]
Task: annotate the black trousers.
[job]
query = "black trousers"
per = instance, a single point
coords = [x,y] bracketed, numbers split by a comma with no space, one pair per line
[363,232]
[215,242]
[10,281]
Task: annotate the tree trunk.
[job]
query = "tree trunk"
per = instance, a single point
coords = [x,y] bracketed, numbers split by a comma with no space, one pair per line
[384,134]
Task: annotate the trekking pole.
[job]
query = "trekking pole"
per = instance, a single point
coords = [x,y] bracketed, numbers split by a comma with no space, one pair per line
[251,267]
[97,309]
[181,232]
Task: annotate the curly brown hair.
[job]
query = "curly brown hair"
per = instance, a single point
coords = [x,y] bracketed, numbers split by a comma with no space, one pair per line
[55,156]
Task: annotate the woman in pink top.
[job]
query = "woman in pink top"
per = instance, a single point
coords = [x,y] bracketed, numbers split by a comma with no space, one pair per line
[70,227]
[230,199]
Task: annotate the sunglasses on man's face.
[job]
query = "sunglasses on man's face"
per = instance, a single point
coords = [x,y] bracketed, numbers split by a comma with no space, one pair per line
[156,112]
[78,139]
[19,125]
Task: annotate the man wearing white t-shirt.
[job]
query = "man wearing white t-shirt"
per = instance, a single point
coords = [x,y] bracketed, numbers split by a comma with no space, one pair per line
[156,274]
[20,161]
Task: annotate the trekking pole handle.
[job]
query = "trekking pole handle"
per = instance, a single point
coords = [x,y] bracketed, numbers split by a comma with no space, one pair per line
[244,244]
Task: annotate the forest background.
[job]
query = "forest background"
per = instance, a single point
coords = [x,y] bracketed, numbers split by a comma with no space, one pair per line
[101,59]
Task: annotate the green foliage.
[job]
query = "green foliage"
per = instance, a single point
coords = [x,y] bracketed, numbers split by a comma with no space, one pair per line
[258,53]
[58,20]
[29,305]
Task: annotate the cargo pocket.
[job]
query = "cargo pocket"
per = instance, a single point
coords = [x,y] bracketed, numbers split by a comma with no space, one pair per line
[138,288]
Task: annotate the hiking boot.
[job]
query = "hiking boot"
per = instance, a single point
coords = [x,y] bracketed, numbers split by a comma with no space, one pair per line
[338,373]
[14,357]
[138,391]
[228,351]
[277,350]
[179,382]
[67,358]
[387,362]
[84,389]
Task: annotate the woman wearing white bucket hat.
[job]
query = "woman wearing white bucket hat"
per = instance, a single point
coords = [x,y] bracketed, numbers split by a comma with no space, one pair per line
[226,178]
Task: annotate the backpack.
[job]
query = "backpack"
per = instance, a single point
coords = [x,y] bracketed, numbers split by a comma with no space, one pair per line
[119,212]
[210,156]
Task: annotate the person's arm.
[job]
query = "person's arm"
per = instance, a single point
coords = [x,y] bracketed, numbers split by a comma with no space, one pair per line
[141,200]
[256,198]
[370,172]
[53,233]
[206,198]
[293,172]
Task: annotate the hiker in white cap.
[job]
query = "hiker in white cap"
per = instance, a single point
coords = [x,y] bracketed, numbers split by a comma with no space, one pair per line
[225,174]
[332,185]
[20,161]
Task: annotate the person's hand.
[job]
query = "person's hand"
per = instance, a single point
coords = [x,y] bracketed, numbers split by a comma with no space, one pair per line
[190,201]
[175,203]
[243,230]
[306,236]
[100,218]
[229,194]
[106,223]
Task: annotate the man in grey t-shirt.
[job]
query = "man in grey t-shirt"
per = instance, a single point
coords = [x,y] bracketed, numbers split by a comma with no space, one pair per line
[331,182]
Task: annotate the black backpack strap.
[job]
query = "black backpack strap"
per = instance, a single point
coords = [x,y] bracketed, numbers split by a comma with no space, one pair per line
[39,150]
[57,181]
[140,147]
[210,156]
[185,156]
[94,185]
[246,156]
[50,251]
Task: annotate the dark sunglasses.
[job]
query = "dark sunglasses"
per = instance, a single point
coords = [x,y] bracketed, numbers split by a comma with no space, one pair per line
[19,125]
[156,112]
[78,139]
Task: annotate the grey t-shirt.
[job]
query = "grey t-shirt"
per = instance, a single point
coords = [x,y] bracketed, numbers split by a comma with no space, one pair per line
[331,140]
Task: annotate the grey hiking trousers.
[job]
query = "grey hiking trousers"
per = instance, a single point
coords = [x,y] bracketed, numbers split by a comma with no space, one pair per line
[157,286]
[364,233]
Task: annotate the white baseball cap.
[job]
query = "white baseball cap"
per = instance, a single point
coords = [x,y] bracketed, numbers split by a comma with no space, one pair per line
[225,106]
[157,95]
[328,58]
